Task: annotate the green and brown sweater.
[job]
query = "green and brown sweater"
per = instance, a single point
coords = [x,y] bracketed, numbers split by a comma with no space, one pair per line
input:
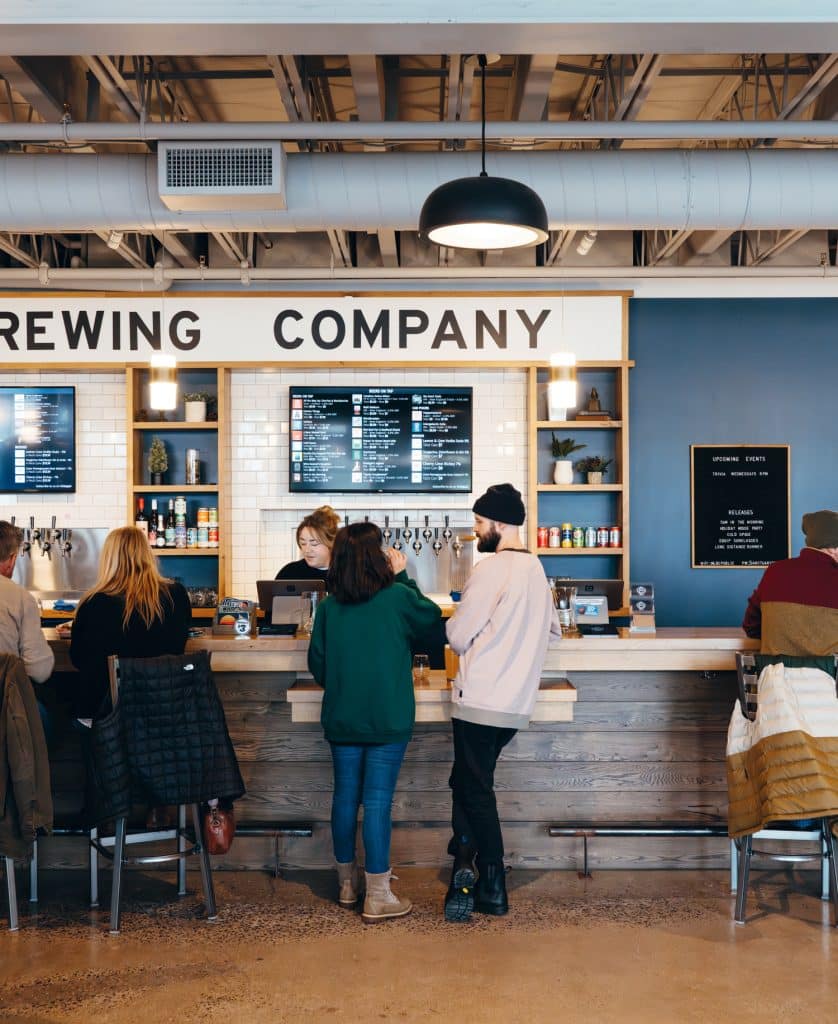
[794,610]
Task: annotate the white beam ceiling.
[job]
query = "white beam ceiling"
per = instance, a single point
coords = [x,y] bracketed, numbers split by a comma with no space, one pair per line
[182,27]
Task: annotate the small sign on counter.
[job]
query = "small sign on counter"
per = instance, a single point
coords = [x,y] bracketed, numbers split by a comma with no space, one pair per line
[740,514]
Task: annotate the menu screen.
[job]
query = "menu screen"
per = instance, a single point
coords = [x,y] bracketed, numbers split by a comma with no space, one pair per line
[37,439]
[380,439]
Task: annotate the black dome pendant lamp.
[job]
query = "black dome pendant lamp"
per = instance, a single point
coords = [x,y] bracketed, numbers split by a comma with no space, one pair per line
[484,212]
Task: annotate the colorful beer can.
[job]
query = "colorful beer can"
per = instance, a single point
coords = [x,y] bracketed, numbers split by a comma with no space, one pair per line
[578,537]
[554,537]
[203,516]
[203,536]
[213,536]
[602,537]
[191,537]
[567,535]
[543,536]
[615,537]
[180,536]
[590,537]
[213,516]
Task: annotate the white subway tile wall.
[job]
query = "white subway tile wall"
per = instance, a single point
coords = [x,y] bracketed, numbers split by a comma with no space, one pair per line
[101,452]
[265,515]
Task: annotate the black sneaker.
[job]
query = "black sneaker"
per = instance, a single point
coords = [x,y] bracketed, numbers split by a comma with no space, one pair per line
[459,900]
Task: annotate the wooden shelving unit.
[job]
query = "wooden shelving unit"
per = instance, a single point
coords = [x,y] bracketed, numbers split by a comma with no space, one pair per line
[212,566]
[608,505]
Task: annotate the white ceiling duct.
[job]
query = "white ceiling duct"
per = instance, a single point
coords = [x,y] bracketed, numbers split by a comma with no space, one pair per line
[596,190]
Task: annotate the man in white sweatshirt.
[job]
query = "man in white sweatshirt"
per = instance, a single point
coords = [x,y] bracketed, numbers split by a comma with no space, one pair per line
[500,630]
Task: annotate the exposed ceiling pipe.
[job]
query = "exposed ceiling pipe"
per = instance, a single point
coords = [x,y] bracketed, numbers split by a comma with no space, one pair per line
[596,190]
[410,131]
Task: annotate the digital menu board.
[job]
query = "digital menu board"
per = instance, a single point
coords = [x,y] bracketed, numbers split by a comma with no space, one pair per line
[37,439]
[379,439]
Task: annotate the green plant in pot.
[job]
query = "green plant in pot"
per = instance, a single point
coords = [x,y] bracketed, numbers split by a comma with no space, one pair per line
[158,461]
[195,406]
[593,466]
[562,449]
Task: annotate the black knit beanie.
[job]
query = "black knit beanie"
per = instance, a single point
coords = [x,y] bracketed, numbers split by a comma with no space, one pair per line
[502,502]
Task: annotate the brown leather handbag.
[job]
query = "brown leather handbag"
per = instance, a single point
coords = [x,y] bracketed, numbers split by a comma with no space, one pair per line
[219,827]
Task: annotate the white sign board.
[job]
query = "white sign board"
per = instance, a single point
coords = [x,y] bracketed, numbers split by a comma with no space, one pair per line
[281,329]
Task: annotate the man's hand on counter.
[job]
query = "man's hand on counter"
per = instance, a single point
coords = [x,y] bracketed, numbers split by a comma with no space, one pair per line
[63,629]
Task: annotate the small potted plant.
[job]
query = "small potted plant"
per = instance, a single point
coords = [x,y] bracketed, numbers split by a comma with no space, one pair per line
[562,449]
[158,461]
[593,466]
[195,406]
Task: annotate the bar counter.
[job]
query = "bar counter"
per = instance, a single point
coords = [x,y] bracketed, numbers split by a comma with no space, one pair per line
[642,740]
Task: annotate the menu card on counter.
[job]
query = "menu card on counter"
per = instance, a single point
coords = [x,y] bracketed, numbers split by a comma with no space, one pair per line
[740,505]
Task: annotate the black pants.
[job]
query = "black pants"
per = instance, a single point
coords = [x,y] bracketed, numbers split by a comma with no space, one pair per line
[474,814]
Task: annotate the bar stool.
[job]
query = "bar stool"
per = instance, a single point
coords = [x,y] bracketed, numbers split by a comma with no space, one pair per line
[748,669]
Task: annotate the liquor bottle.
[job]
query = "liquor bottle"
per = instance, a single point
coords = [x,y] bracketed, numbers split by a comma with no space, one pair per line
[161,530]
[152,523]
[170,524]
[141,519]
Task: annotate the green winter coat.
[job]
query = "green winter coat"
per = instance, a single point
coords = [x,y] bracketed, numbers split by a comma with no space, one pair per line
[360,655]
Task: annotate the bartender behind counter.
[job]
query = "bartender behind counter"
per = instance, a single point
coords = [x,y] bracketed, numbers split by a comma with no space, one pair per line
[315,537]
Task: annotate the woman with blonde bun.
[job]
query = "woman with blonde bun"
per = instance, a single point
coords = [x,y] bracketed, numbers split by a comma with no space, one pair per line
[315,539]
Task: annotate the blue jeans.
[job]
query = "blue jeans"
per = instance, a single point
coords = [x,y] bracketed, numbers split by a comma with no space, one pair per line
[365,773]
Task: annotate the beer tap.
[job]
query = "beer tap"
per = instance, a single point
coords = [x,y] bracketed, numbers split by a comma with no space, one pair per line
[437,544]
[66,544]
[387,533]
[427,533]
[35,532]
[407,533]
[397,543]
[447,533]
[417,544]
[457,546]
[26,544]
[47,538]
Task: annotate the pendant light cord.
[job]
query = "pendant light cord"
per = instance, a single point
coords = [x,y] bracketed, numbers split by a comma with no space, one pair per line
[481,60]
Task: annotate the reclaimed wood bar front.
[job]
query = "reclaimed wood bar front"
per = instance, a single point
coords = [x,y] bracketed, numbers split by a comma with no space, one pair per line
[638,735]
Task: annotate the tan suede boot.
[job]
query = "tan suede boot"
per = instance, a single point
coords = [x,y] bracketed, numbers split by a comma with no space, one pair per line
[381,902]
[349,880]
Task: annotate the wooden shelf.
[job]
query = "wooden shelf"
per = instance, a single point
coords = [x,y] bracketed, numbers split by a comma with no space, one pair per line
[175,488]
[189,552]
[579,487]
[578,424]
[174,425]
[578,551]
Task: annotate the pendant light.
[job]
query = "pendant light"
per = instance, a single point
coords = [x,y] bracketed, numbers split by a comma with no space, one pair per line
[561,386]
[162,384]
[484,212]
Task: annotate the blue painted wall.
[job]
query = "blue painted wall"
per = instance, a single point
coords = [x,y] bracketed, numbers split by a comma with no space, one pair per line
[724,372]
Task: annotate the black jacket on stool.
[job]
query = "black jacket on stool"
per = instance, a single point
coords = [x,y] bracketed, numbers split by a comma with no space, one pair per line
[166,741]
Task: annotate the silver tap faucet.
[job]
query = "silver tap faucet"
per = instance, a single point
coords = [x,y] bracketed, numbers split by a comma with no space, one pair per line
[437,544]
[66,543]
[397,543]
[407,533]
[427,533]
[457,546]
[417,544]
[447,533]
[387,533]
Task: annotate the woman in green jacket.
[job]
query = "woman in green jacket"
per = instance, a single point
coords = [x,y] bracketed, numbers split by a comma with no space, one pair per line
[360,654]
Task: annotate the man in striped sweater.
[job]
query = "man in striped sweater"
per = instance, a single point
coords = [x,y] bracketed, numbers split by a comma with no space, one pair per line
[794,610]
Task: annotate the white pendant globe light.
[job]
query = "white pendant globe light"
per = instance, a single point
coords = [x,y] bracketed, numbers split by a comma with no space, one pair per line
[484,212]
[162,386]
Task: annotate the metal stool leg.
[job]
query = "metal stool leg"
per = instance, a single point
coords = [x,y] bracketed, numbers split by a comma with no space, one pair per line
[33,874]
[734,867]
[118,857]
[181,845]
[94,868]
[832,857]
[206,869]
[744,870]
[11,890]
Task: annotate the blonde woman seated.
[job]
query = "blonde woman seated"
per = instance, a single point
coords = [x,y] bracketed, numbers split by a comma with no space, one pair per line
[131,611]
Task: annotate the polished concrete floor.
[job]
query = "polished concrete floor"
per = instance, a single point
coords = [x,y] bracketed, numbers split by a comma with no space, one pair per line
[621,946]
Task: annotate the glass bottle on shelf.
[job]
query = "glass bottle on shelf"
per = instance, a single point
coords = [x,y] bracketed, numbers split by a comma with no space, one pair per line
[141,519]
[152,523]
[170,524]
[161,530]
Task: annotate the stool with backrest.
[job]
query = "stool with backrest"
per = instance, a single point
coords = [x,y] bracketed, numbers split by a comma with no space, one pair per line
[814,753]
[164,743]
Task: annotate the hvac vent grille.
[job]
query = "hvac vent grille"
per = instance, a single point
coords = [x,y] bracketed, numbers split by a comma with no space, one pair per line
[227,168]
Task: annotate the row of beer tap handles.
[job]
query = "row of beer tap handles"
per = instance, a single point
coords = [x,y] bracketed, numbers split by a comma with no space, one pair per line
[46,538]
[399,537]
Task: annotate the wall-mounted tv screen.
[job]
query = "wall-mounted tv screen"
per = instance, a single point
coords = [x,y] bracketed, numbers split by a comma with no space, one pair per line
[368,439]
[37,439]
